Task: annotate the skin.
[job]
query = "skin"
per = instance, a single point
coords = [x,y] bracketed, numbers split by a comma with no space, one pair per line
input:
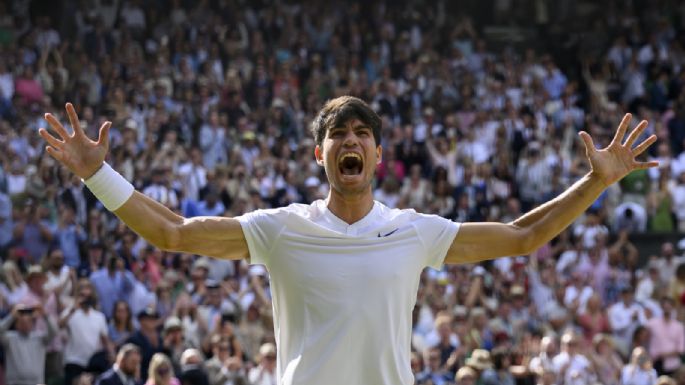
[351,197]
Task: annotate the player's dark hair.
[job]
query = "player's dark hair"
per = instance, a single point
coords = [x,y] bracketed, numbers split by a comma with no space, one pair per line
[336,112]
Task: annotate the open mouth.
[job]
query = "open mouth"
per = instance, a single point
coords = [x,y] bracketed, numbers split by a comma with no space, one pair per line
[350,164]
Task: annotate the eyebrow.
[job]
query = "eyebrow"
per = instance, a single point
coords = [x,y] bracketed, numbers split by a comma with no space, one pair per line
[355,128]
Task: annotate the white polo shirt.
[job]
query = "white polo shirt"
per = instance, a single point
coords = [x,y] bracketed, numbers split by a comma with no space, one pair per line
[343,294]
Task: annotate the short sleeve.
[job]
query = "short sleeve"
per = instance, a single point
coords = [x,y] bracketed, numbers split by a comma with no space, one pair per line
[261,229]
[436,234]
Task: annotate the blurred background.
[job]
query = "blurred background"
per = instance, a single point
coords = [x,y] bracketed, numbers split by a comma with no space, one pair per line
[211,103]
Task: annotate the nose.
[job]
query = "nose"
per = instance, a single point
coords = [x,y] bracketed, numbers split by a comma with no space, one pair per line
[350,139]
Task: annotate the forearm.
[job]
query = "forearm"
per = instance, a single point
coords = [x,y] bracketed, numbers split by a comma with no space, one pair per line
[548,220]
[211,236]
[45,232]
[52,330]
[6,322]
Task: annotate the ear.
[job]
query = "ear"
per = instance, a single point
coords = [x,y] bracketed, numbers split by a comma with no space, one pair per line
[379,154]
[318,155]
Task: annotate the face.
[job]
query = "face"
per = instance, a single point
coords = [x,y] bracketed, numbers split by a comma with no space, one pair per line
[121,311]
[57,258]
[24,322]
[434,359]
[130,363]
[270,360]
[148,323]
[164,371]
[224,350]
[349,155]
[467,380]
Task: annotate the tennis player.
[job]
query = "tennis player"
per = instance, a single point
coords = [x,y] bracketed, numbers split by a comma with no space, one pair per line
[344,270]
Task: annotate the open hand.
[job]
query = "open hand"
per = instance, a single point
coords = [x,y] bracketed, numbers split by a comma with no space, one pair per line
[617,160]
[77,152]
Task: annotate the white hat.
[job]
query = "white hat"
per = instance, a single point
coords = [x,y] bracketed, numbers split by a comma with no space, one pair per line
[266,349]
[257,270]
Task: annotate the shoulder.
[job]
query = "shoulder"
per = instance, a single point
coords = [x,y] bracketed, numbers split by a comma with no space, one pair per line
[409,215]
[110,373]
[109,377]
[283,214]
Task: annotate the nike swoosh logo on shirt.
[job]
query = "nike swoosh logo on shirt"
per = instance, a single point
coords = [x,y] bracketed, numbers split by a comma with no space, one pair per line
[390,233]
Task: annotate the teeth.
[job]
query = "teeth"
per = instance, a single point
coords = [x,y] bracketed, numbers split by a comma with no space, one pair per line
[350,155]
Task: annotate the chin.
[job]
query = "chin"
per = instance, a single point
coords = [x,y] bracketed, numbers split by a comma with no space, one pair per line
[352,187]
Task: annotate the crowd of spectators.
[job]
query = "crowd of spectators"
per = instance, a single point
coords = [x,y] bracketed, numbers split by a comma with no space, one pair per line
[211,102]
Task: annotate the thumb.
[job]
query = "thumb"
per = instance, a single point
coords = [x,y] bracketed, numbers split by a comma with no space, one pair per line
[587,139]
[103,138]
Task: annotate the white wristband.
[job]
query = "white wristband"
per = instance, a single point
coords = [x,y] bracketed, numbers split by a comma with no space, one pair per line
[112,189]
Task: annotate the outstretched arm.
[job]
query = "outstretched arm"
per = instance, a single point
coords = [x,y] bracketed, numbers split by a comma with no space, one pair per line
[480,241]
[212,236]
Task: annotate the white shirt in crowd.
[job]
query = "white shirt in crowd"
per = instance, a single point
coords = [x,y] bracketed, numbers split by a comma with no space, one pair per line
[578,368]
[62,279]
[623,324]
[85,330]
[632,375]
[259,376]
[342,291]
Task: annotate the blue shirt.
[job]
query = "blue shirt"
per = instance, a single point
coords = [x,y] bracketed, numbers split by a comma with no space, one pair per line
[69,238]
[111,288]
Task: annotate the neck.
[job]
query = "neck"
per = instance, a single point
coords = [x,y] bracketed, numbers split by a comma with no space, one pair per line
[350,208]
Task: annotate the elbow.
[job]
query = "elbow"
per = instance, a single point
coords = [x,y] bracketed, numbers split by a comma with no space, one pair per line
[170,239]
[527,241]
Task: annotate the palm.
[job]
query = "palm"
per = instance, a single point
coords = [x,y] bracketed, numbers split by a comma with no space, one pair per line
[617,160]
[77,152]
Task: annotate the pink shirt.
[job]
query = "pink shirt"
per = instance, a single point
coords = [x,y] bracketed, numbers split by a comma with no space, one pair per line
[667,336]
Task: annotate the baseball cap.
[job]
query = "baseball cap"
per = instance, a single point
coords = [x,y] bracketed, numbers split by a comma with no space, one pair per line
[148,312]
[172,322]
